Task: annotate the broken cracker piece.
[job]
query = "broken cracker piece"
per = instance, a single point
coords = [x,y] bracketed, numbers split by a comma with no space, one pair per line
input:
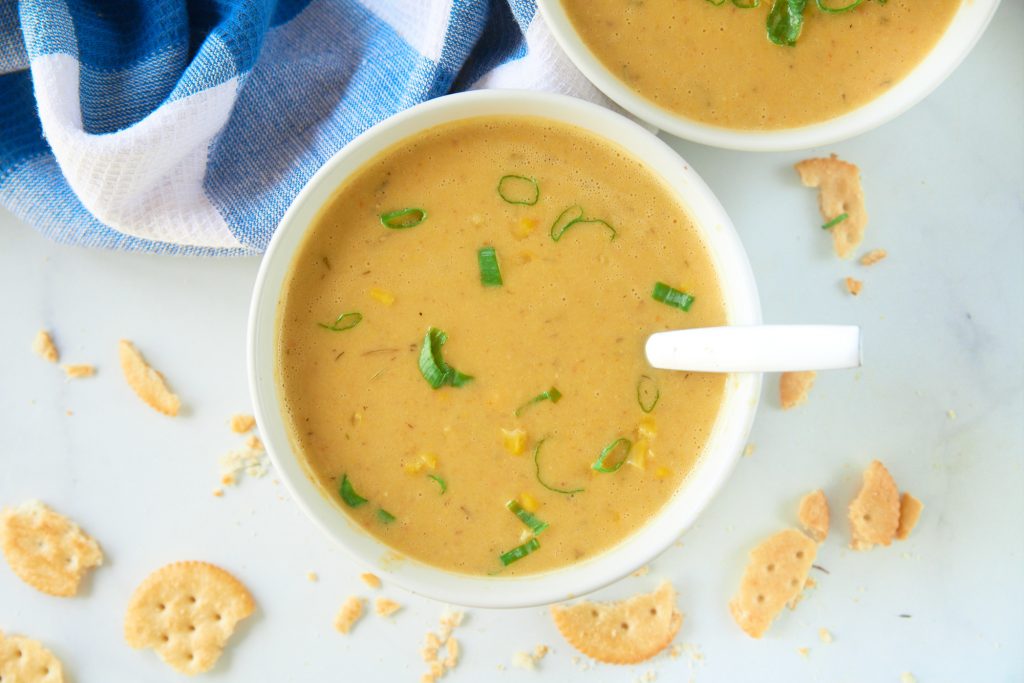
[624,632]
[240,424]
[47,550]
[873,257]
[824,635]
[370,579]
[813,515]
[147,383]
[775,576]
[43,346]
[875,512]
[794,387]
[23,660]
[385,607]
[78,370]
[351,611]
[839,192]
[854,286]
[910,512]
[186,612]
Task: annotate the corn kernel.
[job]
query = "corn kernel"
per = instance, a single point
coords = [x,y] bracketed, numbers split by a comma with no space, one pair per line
[414,467]
[422,462]
[429,459]
[529,503]
[639,453]
[513,440]
[648,428]
[524,227]
[382,295]
[662,472]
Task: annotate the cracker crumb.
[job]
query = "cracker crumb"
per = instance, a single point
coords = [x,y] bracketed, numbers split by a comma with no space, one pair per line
[43,346]
[642,571]
[370,579]
[873,257]
[804,652]
[648,676]
[385,607]
[676,651]
[78,370]
[749,450]
[218,492]
[312,577]
[824,635]
[910,512]
[813,515]
[540,652]
[251,461]
[839,193]
[794,388]
[254,443]
[523,660]
[430,651]
[351,611]
[907,677]
[240,424]
[951,414]
[147,383]
[854,286]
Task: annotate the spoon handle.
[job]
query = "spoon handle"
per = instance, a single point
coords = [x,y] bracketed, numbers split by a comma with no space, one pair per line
[756,348]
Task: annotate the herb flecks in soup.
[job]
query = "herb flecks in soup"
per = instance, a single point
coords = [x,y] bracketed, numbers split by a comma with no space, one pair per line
[760,65]
[489,410]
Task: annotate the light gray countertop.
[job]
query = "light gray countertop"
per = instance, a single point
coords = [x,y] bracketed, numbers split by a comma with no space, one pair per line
[940,399]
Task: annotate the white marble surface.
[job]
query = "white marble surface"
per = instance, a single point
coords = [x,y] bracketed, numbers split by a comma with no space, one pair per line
[943,319]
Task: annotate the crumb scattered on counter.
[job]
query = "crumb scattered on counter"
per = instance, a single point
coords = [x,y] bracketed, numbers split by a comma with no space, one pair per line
[218,493]
[78,370]
[642,571]
[385,607]
[840,200]
[254,443]
[873,257]
[804,652]
[370,579]
[951,414]
[529,660]
[240,424]
[907,677]
[248,460]
[854,286]
[749,450]
[432,644]
[794,388]
[350,612]
[43,346]
[824,635]
[813,515]
[312,577]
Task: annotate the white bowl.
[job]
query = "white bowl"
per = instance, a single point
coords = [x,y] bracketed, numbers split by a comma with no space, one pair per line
[963,32]
[723,448]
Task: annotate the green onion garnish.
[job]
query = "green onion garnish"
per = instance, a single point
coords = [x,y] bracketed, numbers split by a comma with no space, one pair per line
[345,321]
[838,10]
[385,516]
[552,394]
[574,216]
[601,466]
[672,296]
[348,494]
[432,365]
[536,464]
[517,189]
[786,21]
[753,4]
[403,218]
[526,517]
[519,552]
[835,221]
[647,393]
[440,482]
[490,274]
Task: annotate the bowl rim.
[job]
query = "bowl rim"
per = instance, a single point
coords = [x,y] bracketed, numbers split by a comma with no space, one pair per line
[963,33]
[709,474]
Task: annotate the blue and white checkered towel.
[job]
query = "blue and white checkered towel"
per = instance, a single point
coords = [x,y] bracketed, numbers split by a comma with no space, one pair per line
[187,126]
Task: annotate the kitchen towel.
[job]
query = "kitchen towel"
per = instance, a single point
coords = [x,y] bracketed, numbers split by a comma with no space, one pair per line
[188,126]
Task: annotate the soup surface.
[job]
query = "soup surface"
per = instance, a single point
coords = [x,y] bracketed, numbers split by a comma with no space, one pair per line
[715,64]
[438,466]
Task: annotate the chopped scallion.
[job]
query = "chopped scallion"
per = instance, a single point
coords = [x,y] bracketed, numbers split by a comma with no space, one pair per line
[403,218]
[440,482]
[519,552]
[348,494]
[526,517]
[601,464]
[536,464]
[838,10]
[672,296]
[385,516]
[433,367]
[552,394]
[345,321]
[574,216]
[517,189]
[647,393]
[835,221]
[490,273]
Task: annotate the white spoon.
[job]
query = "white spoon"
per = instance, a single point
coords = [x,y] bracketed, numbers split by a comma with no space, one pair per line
[756,348]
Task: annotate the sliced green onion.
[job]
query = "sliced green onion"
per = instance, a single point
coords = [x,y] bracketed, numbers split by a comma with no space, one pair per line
[403,218]
[835,221]
[838,10]
[785,21]
[440,482]
[490,274]
[345,321]
[647,393]
[574,216]
[672,296]
[753,4]
[602,466]
[526,517]
[717,4]
[536,464]
[519,552]
[517,189]
[433,367]
[348,494]
[552,394]
[385,516]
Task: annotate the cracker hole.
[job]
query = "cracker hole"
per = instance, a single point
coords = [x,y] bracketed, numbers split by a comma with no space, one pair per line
[161,607]
[793,582]
[164,637]
[760,598]
[654,611]
[770,567]
[593,613]
[191,656]
[799,554]
[625,626]
[191,627]
[866,518]
[192,599]
[18,653]
[217,617]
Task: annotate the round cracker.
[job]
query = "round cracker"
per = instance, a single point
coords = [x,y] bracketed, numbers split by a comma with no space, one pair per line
[146,382]
[23,660]
[47,550]
[624,632]
[186,611]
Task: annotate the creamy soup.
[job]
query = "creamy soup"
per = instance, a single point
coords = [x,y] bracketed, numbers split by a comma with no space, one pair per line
[452,373]
[715,63]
